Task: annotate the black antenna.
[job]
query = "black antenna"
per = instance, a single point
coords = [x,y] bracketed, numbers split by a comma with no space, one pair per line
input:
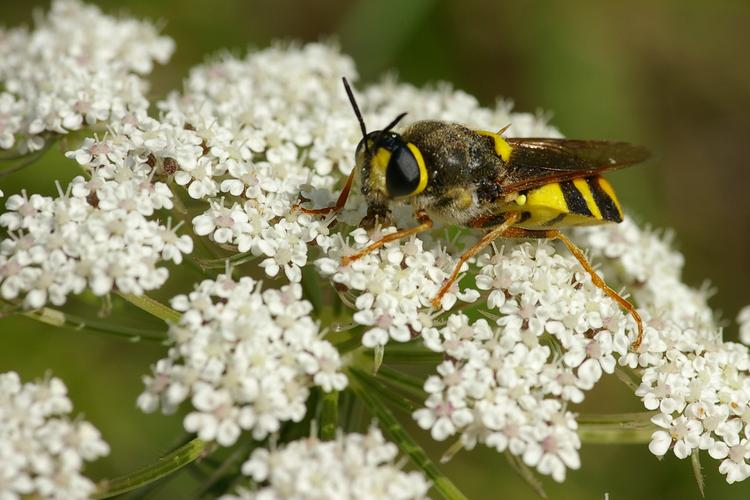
[356,108]
[394,122]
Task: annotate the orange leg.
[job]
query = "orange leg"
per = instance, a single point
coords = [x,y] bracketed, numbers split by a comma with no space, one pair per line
[471,252]
[340,202]
[425,223]
[517,232]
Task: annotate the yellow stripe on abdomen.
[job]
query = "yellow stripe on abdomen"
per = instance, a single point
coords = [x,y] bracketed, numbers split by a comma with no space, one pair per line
[576,202]
[583,187]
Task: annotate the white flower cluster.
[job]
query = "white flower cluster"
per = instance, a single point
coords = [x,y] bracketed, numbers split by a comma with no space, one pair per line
[245,358]
[97,234]
[77,67]
[509,386]
[699,384]
[42,452]
[268,125]
[391,288]
[354,466]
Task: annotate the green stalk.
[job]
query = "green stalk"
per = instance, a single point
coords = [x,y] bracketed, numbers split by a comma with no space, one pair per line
[616,428]
[410,355]
[526,474]
[152,306]
[221,263]
[629,420]
[410,382]
[227,467]
[366,389]
[329,413]
[64,320]
[168,464]
[311,287]
[616,432]
[695,460]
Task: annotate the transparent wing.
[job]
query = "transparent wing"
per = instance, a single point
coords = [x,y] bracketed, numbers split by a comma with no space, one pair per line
[538,161]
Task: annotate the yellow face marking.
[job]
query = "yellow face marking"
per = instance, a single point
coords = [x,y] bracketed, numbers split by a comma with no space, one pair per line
[521,200]
[423,176]
[378,164]
[502,148]
[583,187]
[607,188]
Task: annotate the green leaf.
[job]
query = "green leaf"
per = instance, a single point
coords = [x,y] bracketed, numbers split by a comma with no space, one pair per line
[152,306]
[168,464]
[365,389]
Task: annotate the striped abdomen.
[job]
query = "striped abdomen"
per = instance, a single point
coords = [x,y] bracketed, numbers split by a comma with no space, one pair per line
[577,202]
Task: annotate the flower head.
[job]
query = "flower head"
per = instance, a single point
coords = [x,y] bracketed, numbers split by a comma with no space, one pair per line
[42,451]
[245,359]
[351,466]
[77,68]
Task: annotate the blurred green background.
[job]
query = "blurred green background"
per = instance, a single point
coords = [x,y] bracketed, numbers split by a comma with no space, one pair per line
[673,75]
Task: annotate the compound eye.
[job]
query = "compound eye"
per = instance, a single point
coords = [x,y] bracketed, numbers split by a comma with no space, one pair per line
[403,176]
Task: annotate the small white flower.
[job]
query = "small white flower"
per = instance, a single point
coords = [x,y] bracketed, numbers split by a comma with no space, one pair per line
[97,235]
[76,68]
[499,392]
[43,451]
[351,466]
[245,359]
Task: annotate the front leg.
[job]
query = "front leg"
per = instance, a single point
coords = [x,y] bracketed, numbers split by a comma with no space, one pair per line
[507,220]
[376,214]
[340,202]
[425,223]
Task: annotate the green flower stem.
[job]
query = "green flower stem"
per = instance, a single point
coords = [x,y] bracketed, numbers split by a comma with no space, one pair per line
[64,320]
[168,464]
[626,419]
[611,435]
[329,413]
[407,354]
[526,474]
[349,344]
[626,377]
[366,389]
[152,306]
[311,287]
[401,402]
[220,264]
[229,467]
[695,461]
[409,383]
[616,428]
